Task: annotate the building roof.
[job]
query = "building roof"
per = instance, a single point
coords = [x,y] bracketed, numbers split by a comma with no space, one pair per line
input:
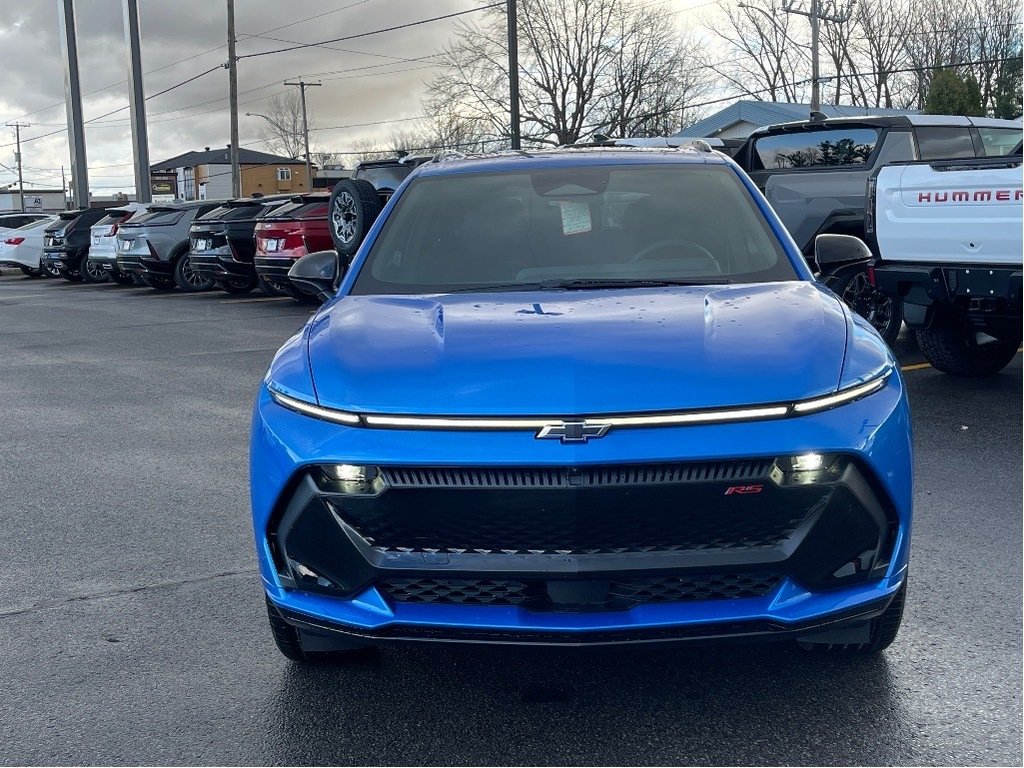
[761,113]
[222,156]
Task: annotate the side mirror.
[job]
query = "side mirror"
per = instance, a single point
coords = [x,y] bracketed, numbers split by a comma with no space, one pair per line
[315,274]
[832,250]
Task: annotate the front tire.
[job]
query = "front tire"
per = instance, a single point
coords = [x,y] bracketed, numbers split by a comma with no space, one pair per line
[885,313]
[881,634]
[30,272]
[289,642]
[50,269]
[954,349]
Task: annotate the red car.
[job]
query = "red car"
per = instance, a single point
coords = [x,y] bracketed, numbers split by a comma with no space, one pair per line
[288,233]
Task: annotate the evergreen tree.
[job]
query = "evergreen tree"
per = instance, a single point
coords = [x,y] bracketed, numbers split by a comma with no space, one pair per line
[950,94]
[1008,90]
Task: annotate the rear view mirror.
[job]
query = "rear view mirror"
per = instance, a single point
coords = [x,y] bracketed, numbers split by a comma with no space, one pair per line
[831,250]
[315,274]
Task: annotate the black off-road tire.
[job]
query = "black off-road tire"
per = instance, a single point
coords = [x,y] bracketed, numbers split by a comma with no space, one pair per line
[187,279]
[31,272]
[885,313]
[237,285]
[952,348]
[286,638]
[353,207]
[881,635]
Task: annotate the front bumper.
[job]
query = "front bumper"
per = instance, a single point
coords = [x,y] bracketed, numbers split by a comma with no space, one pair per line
[755,581]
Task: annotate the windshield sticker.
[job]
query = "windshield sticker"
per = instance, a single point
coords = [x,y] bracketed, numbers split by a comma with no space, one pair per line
[575,217]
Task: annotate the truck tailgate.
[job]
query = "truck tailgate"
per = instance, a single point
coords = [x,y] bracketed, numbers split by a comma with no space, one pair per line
[949,214]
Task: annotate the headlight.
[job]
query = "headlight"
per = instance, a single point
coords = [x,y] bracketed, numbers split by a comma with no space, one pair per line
[352,479]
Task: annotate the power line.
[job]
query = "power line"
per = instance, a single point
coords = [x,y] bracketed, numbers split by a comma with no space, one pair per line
[196,56]
[373,32]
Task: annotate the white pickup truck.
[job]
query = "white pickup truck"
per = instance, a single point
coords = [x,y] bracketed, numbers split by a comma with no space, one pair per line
[948,235]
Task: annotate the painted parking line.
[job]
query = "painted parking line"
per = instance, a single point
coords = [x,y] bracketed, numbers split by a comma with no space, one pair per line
[915,367]
[255,301]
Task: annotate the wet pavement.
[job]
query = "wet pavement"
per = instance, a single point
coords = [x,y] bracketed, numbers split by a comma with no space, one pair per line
[132,627]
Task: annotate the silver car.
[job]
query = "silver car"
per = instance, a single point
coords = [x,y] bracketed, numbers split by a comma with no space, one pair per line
[155,246]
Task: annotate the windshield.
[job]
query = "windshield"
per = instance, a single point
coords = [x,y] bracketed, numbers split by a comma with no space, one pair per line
[573,228]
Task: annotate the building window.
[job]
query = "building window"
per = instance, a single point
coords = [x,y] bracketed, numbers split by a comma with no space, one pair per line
[284,174]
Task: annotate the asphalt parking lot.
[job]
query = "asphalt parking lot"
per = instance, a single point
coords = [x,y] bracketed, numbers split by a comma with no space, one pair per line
[132,627]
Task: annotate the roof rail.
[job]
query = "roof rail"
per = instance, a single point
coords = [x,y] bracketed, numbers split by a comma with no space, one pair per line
[698,144]
[449,154]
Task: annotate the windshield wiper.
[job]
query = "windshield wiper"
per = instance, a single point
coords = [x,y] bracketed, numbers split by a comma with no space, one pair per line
[583,284]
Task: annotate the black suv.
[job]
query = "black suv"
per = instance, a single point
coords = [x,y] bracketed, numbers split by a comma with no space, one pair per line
[66,243]
[223,244]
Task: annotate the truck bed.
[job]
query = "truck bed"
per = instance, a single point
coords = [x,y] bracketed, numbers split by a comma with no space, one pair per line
[961,212]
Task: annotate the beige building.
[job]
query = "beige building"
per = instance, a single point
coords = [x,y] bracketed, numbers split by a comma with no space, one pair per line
[206,175]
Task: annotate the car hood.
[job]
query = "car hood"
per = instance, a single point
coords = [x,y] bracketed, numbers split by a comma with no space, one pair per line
[578,352]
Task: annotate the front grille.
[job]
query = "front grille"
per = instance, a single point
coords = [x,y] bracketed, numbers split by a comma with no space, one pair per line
[618,594]
[461,591]
[575,477]
[584,510]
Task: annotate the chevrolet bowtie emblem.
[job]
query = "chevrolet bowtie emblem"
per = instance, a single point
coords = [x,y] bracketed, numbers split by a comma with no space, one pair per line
[572,431]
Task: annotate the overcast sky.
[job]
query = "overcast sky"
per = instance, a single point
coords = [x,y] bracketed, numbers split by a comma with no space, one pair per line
[364,81]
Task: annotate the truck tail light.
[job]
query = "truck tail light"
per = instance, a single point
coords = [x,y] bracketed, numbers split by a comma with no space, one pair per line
[869,205]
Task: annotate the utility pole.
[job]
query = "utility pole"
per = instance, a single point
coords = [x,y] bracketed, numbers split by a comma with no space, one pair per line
[17,158]
[64,186]
[73,102]
[513,73]
[137,102]
[817,14]
[232,67]
[305,127]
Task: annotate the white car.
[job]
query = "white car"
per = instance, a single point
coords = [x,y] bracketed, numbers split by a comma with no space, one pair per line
[23,247]
[103,241]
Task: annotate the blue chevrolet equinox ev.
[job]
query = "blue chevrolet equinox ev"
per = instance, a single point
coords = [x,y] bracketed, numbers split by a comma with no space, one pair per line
[576,397]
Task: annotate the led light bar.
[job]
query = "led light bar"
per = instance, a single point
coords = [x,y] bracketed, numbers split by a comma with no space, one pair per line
[841,397]
[310,409]
[704,416]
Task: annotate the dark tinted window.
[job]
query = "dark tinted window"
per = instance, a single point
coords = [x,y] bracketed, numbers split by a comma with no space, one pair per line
[552,226]
[384,177]
[813,149]
[997,142]
[941,142]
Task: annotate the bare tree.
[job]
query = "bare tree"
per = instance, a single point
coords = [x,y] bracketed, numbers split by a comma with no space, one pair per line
[281,128]
[653,76]
[586,66]
[766,56]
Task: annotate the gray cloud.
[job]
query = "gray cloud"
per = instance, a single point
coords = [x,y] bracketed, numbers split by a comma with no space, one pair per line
[365,82]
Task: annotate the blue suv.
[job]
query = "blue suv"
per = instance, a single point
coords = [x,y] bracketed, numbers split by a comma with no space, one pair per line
[581,396]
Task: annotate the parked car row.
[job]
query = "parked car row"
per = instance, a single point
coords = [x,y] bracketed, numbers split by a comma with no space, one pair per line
[234,245]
